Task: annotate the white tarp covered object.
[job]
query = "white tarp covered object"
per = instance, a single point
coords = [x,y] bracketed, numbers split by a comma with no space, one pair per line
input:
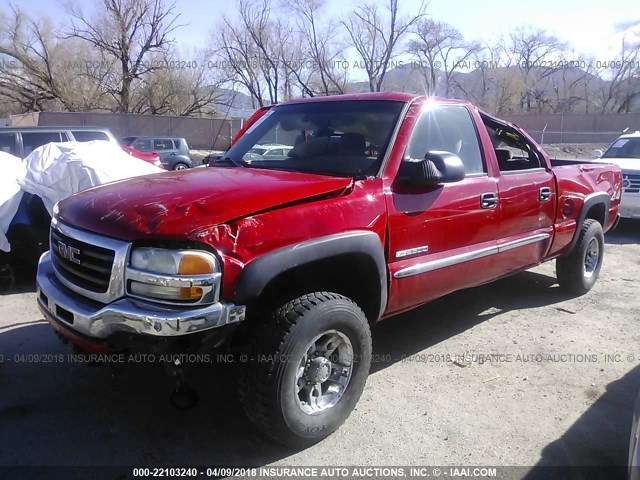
[10,194]
[57,170]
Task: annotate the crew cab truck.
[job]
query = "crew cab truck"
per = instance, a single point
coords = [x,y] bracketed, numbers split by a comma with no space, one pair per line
[384,202]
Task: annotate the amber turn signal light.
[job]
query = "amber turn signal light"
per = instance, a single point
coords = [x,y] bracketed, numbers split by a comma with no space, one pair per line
[194,265]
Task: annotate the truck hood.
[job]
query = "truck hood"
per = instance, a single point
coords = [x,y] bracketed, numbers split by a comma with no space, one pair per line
[173,204]
[623,163]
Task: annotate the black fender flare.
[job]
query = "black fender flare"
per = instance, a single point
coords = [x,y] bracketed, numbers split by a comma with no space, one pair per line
[590,201]
[257,274]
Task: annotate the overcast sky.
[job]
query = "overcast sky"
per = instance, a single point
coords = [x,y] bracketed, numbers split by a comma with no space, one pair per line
[589,26]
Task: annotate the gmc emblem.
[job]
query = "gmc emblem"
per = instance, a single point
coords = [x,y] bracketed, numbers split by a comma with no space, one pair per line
[69,253]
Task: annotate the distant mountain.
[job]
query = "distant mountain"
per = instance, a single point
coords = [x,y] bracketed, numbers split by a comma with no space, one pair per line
[233,104]
[498,88]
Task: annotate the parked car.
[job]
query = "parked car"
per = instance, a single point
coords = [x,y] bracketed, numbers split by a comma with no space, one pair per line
[153,158]
[625,152]
[21,141]
[173,151]
[267,151]
[290,261]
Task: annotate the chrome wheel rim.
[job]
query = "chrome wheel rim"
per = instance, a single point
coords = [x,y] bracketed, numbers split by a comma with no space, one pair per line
[324,372]
[181,167]
[591,258]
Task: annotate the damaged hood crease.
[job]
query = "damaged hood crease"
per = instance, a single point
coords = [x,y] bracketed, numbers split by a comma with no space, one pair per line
[170,204]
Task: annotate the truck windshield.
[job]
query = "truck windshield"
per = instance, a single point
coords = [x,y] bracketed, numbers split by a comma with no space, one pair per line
[624,148]
[347,139]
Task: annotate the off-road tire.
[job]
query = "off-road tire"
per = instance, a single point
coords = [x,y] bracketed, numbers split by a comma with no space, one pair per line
[573,275]
[277,343]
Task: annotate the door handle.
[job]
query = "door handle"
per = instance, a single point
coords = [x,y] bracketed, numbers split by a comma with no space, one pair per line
[488,200]
[545,194]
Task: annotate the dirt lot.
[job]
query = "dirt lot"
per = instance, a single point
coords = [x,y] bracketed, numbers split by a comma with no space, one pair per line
[547,394]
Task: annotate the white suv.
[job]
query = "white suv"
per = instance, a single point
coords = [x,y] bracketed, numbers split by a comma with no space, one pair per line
[625,152]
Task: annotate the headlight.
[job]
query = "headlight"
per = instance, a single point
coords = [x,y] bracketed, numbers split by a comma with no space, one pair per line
[189,276]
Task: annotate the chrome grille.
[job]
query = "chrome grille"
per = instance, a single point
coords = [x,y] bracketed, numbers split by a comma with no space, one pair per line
[631,182]
[88,266]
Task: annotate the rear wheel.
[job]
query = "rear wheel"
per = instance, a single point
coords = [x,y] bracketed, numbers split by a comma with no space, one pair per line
[578,271]
[180,166]
[307,368]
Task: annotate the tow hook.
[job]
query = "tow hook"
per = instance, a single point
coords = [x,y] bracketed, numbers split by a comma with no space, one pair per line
[183,397]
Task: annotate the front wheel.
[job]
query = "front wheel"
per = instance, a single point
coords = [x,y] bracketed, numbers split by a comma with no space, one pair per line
[307,368]
[578,271]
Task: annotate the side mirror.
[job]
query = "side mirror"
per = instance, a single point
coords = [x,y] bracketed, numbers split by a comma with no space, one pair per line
[597,153]
[437,167]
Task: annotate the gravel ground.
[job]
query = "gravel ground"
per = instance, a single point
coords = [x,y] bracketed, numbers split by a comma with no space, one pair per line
[573,150]
[544,394]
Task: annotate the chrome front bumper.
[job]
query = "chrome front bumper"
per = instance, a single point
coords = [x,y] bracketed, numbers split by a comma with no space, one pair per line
[98,321]
[630,205]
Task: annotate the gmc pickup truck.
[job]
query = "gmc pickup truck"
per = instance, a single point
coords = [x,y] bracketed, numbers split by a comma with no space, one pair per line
[383,202]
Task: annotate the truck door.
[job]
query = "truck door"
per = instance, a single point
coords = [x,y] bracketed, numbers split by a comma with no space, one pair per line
[442,238]
[527,201]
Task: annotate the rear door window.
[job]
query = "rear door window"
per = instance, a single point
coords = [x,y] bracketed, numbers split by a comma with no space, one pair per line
[163,144]
[88,136]
[142,144]
[33,140]
[8,143]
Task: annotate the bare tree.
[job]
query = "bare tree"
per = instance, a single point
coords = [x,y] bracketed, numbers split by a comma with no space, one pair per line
[570,85]
[27,69]
[247,50]
[502,78]
[255,17]
[622,87]
[128,31]
[376,38]
[239,58]
[441,47]
[534,53]
[321,48]
[191,89]
[486,61]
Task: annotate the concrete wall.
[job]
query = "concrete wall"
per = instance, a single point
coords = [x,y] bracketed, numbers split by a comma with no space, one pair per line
[201,133]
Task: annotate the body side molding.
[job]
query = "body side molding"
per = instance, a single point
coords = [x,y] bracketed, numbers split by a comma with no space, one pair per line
[469,256]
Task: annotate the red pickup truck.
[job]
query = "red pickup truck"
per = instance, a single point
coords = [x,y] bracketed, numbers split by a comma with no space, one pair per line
[378,204]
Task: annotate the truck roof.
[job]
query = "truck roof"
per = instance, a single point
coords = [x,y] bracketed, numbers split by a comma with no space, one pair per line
[393,96]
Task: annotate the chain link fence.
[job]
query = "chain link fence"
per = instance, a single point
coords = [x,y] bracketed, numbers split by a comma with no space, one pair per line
[576,128]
